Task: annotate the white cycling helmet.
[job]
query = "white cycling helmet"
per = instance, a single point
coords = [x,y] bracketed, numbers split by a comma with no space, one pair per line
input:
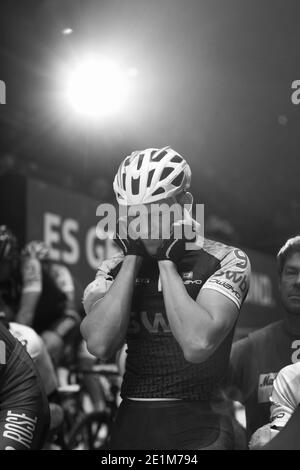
[150,175]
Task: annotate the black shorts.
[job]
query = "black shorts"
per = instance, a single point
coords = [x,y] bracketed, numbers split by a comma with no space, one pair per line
[166,425]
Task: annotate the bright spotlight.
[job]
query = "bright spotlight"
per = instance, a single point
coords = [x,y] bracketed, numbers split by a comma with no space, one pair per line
[97,87]
[133,72]
[67,31]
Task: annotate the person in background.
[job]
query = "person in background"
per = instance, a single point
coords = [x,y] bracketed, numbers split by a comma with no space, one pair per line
[256,359]
[10,295]
[285,400]
[48,300]
[24,410]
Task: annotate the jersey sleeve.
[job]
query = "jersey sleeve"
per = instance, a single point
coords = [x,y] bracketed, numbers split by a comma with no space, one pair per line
[232,279]
[104,279]
[286,395]
[28,337]
[2,354]
[62,278]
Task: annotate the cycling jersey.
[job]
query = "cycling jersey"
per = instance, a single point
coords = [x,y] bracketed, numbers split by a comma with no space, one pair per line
[54,286]
[255,362]
[284,400]
[24,411]
[285,395]
[33,276]
[155,366]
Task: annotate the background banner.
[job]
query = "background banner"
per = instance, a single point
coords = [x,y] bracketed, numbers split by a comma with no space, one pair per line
[67,222]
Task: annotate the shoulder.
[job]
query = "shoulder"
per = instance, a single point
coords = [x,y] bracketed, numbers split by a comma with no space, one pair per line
[226,254]
[286,386]
[252,345]
[28,337]
[289,373]
[229,271]
[266,332]
[218,256]
[240,348]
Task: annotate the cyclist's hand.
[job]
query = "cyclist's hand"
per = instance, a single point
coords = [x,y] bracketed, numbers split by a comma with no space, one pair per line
[54,344]
[173,248]
[262,436]
[128,245]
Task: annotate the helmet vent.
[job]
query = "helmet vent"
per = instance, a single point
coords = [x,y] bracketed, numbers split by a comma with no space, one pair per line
[135,185]
[150,176]
[166,172]
[140,161]
[160,156]
[176,159]
[158,191]
[124,181]
[178,180]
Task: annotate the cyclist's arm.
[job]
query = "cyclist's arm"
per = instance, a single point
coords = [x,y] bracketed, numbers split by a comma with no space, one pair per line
[107,303]
[70,317]
[289,437]
[31,290]
[27,307]
[200,326]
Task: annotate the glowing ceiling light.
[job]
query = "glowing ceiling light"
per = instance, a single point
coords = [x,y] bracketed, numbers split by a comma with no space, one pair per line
[97,87]
[67,31]
[133,72]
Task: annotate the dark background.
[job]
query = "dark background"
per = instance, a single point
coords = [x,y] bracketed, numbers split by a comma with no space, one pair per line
[214,83]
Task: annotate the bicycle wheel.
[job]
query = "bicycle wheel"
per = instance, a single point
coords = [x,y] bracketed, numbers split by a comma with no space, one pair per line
[91,432]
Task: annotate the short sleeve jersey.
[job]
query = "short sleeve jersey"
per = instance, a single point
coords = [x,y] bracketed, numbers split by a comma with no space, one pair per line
[285,396]
[155,366]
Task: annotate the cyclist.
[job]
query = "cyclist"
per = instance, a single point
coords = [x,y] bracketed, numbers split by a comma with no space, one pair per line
[10,276]
[47,302]
[24,411]
[285,399]
[175,307]
[10,299]
[256,359]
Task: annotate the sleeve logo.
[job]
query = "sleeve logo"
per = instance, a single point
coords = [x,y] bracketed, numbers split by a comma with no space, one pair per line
[2,353]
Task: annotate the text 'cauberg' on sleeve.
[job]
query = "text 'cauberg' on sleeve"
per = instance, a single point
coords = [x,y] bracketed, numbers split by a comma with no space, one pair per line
[232,279]
[104,279]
